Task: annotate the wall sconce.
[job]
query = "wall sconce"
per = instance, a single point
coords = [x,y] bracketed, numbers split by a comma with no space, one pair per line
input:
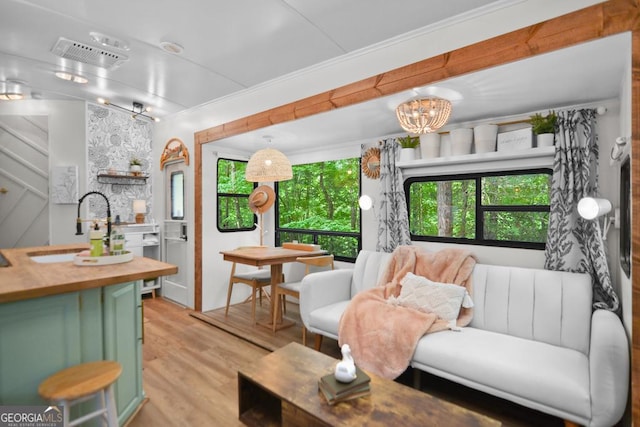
[619,148]
[591,208]
[139,208]
[366,203]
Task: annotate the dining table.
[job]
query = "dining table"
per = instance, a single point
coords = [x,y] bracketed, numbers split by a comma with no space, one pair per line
[274,257]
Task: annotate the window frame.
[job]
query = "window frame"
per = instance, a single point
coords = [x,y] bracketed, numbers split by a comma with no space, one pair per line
[219,197]
[481,209]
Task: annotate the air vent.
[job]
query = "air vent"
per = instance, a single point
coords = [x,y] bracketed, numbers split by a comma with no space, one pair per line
[87,54]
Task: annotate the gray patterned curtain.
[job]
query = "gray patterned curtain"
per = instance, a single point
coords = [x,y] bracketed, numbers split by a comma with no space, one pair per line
[573,243]
[393,221]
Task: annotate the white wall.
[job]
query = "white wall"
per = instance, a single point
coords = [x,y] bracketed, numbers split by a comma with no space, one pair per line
[67,136]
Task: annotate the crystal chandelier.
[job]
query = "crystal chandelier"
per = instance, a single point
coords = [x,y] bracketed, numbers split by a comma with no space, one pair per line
[423,115]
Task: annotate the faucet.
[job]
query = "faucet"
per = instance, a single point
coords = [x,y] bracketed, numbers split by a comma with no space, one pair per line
[79,220]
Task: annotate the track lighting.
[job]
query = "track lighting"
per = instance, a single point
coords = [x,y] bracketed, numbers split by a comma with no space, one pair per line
[138,110]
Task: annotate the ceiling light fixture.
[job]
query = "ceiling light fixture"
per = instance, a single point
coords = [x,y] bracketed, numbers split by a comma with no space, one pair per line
[70,77]
[109,41]
[137,111]
[268,165]
[11,96]
[423,115]
[171,47]
[11,91]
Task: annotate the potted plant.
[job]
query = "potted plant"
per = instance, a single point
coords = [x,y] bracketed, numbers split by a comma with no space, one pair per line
[544,128]
[135,166]
[409,144]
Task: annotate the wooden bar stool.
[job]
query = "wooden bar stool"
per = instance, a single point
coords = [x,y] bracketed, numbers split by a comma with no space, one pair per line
[80,383]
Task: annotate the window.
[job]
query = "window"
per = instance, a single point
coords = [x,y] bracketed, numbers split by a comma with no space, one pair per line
[320,206]
[500,209]
[625,217]
[233,197]
[177,195]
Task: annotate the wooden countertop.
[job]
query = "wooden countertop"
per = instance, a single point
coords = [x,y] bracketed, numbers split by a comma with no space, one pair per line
[25,278]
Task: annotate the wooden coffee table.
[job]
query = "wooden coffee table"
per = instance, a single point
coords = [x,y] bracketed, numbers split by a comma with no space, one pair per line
[282,389]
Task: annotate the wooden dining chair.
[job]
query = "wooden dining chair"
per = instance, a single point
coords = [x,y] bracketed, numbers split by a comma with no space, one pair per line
[257,279]
[311,263]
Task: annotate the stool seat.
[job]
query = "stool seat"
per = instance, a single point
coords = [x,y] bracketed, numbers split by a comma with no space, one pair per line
[80,383]
[80,380]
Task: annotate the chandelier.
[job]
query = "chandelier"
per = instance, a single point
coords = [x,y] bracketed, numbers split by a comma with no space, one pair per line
[268,165]
[423,115]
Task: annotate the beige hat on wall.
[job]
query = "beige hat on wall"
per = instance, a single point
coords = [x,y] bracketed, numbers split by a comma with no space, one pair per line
[261,199]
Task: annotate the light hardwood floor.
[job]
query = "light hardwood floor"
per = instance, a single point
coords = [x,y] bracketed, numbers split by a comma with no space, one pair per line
[190,370]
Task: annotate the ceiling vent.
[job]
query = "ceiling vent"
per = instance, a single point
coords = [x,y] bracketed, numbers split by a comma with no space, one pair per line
[87,54]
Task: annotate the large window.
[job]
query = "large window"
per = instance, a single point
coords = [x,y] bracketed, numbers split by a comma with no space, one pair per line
[233,197]
[320,205]
[501,209]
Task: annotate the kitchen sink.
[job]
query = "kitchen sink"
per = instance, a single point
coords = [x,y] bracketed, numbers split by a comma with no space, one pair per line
[46,259]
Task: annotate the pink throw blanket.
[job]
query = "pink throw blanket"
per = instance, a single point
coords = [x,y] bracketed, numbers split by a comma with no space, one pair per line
[384,336]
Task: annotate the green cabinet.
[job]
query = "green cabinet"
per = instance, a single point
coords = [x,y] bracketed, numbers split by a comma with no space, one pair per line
[122,334]
[37,338]
[41,336]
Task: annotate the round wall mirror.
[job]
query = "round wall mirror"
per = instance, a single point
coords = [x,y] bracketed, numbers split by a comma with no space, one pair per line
[371,163]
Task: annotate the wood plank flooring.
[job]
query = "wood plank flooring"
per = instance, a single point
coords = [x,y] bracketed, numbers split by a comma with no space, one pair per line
[190,368]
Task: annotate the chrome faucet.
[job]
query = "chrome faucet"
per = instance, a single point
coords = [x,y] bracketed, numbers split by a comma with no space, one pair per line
[79,220]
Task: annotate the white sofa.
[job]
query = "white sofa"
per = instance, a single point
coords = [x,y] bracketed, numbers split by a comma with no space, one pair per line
[533,339]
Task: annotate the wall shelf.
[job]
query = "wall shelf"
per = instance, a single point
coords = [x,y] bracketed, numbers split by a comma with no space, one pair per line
[539,157]
[121,178]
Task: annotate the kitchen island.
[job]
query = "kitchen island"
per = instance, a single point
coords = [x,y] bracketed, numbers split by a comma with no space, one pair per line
[55,314]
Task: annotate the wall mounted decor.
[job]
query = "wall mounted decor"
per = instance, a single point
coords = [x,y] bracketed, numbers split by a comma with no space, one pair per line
[64,185]
[371,163]
[174,151]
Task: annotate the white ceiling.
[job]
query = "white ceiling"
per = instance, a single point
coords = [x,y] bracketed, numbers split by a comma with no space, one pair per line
[230,46]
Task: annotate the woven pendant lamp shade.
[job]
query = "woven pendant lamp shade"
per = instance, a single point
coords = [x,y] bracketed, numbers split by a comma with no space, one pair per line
[423,115]
[268,165]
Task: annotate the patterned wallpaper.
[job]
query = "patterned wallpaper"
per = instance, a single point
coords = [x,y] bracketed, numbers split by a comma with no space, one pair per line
[114,138]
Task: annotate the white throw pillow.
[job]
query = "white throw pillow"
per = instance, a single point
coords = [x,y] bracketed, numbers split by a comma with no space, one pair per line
[443,299]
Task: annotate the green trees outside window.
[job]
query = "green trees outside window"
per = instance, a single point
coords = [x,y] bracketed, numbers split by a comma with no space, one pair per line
[503,209]
[233,197]
[320,205]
